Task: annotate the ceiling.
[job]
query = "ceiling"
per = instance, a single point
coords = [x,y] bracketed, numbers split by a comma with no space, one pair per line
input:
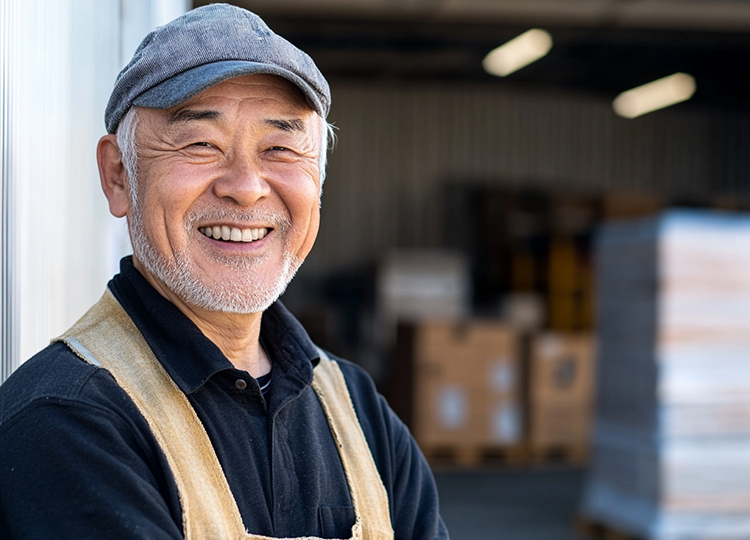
[601,47]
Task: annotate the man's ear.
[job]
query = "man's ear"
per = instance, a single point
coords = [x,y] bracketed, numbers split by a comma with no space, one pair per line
[113,176]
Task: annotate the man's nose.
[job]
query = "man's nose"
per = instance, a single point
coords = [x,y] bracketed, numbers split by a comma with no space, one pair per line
[243,181]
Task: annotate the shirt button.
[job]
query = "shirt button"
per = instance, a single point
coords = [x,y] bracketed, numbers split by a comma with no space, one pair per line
[240,384]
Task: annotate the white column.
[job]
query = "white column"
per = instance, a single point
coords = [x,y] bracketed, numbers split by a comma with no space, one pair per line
[8,291]
[58,244]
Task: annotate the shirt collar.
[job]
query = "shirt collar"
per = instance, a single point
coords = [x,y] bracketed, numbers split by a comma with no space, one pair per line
[190,357]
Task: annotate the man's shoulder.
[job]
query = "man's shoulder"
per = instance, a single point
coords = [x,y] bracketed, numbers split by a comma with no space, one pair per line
[358,381]
[351,370]
[375,415]
[53,375]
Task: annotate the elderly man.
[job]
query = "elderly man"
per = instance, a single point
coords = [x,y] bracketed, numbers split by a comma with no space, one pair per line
[188,402]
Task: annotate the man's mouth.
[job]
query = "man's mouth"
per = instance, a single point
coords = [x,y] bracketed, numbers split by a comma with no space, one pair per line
[233,234]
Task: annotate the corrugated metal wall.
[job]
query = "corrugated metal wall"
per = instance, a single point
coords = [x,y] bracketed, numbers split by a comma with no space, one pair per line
[399,145]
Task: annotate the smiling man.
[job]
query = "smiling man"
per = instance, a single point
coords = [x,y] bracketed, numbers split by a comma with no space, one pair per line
[188,403]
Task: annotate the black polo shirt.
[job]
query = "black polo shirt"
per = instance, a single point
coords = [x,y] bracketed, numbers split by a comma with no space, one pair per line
[78,461]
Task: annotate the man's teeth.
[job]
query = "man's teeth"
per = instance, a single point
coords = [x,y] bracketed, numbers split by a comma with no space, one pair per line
[233,234]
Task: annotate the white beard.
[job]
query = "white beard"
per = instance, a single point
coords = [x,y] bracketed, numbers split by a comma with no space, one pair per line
[246,293]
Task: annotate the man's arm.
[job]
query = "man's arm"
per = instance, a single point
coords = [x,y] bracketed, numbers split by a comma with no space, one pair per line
[407,477]
[72,467]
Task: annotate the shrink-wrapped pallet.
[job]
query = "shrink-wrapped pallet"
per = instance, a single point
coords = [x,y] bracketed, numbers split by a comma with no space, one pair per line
[672,438]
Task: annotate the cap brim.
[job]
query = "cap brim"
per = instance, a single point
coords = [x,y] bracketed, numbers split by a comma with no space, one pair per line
[182,87]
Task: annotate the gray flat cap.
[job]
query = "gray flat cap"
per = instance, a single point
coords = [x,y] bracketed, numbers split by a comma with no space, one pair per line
[204,47]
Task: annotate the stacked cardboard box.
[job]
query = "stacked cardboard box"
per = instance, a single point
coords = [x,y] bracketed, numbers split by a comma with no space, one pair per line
[424,284]
[466,386]
[672,437]
[560,392]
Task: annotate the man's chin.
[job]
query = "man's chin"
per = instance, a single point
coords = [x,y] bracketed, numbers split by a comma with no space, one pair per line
[244,286]
[234,291]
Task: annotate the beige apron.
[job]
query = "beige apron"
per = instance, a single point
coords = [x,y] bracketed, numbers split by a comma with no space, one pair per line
[106,336]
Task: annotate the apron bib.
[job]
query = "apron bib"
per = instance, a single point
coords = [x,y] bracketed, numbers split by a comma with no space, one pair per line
[106,337]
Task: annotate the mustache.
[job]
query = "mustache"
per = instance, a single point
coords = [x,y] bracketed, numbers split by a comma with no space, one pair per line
[279,221]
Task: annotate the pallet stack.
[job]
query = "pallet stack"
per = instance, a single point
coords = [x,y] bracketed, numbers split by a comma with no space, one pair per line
[481,396]
[672,438]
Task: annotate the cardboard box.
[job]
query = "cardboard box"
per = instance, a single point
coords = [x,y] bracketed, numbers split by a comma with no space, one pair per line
[467,389]
[561,367]
[557,425]
[561,389]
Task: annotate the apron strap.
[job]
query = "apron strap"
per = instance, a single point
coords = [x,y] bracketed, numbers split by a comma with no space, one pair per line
[106,336]
[367,490]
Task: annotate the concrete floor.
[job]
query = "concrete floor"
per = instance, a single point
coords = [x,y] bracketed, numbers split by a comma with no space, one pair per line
[533,504]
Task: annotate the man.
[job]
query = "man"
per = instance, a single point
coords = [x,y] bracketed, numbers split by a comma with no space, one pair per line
[188,402]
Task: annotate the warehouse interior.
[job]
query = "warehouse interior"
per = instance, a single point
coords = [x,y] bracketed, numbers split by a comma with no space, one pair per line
[512,261]
[520,268]
[554,297]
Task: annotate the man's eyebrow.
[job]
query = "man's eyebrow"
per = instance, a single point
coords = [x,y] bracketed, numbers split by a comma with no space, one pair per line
[287,125]
[187,115]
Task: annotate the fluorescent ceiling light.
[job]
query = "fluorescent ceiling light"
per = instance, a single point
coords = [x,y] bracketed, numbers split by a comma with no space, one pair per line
[655,95]
[518,52]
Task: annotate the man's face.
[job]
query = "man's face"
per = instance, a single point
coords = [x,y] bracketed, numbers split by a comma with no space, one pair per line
[225,206]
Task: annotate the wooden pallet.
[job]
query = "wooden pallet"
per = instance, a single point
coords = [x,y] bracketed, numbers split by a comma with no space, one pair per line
[463,457]
[595,530]
[558,455]
[469,457]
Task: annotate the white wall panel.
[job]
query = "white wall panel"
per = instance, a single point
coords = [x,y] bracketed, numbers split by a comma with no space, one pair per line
[59,243]
[8,291]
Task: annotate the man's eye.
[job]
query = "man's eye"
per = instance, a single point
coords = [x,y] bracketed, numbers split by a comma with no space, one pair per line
[279,148]
[204,144]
